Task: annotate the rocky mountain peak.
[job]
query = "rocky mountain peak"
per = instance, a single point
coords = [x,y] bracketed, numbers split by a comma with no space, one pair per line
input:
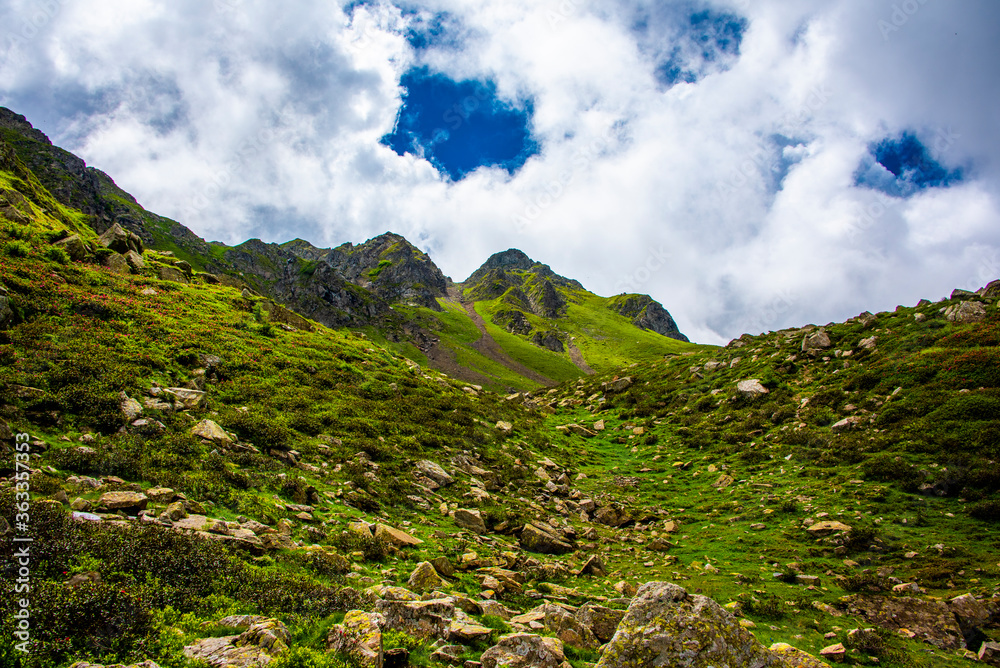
[13,121]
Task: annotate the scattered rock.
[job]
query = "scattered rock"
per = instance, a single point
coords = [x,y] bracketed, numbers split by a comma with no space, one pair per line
[435,473]
[966,312]
[130,502]
[425,578]
[74,247]
[932,621]
[817,340]
[600,620]
[834,653]
[827,527]
[210,431]
[525,650]
[536,537]
[794,658]
[359,637]
[751,389]
[395,536]
[172,274]
[471,520]
[253,648]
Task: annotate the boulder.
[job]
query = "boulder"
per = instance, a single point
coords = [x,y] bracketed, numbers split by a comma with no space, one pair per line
[187,398]
[135,261]
[966,312]
[420,619]
[130,502]
[395,536]
[751,389]
[120,240]
[359,637]
[471,520]
[172,274]
[794,658]
[600,620]
[617,385]
[827,527]
[989,653]
[117,263]
[570,630]
[74,247]
[131,408]
[6,312]
[835,652]
[525,650]
[666,626]
[434,472]
[210,431]
[536,537]
[969,612]
[593,566]
[254,648]
[814,341]
[424,578]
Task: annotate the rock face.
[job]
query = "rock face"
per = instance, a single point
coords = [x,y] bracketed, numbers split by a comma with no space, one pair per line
[524,650]
[666,626]
[646,313]
[392,268]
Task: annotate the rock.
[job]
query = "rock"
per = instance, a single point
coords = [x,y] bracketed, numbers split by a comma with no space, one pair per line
[395,536]
[991,291]
[160,494]
[525,650]
[966,312]
[617,385]
[359,637]
[425,578]
[434,472]
[827,527]
[577,429]
[931,621]
[241,622]
[130,502]
[142,664]
[989,652]
[420,619]
[536,537]
[612,515]
[130,408]
[175,511]
[600,620]
[794,658]
[835,652]
[593,566]
[724,481]
[464,629]
[570,630]
[117,264]
[969,612]
[666,626]
[172,274]
[187,398]
[74,247]
[254,648]
[814,341]
[135,261]
[471,520]
[846,424]
[443,566]
[505,426]
[210,431]
[449,654]
[868,344]
[599,425]
[751,389]
[120,240]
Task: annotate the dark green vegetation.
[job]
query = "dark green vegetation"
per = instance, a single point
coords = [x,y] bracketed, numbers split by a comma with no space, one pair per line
[895,436]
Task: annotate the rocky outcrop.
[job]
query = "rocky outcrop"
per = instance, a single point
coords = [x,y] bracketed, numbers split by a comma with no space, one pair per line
[646,313]
[524,650]
[666,626]
[359,637]
[932,621]
[254,648]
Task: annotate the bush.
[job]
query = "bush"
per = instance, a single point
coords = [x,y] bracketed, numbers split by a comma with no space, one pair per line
[17,249]
[987,511]
[863,582]
[767,606]
[56,254]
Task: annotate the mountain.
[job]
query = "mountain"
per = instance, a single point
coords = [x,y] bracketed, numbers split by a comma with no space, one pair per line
[206,474]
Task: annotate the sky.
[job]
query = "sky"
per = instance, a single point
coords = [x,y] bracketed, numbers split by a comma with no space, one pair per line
[751,164]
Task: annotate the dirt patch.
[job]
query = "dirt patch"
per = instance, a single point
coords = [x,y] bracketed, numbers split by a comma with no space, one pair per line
[487,345]
[577,357]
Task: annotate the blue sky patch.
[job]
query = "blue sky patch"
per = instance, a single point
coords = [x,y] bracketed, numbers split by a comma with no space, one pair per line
[689,42]
[459,126]
[902,166]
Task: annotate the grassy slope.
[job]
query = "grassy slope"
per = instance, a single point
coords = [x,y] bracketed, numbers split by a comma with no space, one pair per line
[88,334]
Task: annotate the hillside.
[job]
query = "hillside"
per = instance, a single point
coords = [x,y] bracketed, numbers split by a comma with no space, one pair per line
[216,476]
[385,286]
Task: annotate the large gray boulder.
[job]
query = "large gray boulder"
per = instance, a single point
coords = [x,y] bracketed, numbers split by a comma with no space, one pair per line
[525,650]
[666,626]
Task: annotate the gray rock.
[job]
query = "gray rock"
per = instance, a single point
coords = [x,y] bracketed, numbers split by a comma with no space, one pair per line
[74,247]
[525,650]
[471,520]
[751,389]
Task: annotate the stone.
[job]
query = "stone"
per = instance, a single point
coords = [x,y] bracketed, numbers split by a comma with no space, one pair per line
[421,619]
[600,620]
[434,471]
[449,654]
[868,344]
[505,426]
[989,652]
[210,431]
[160,494]
[969,612]
[254,648]
[130,408]
[593,566]
[175,511]
[794,658]
[570,630]
[525,650]
[187,398]
[536,537]
[724,481]
[135,261]
[966,312]
[835,652]
[443,566]
[74,247]
[117,263]
[359,637]
[846,424]
[395,536]
[424,578]
[465,629]
[6,314]
[120,240]
[827,527]
[130,502]
[471,520]
[142,664]
[751,389]
[617,385]
[577,429]
[666,626]
[599,425]
[814,341]
[172,274]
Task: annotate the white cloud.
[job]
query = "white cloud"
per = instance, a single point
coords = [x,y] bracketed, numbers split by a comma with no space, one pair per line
[213,114]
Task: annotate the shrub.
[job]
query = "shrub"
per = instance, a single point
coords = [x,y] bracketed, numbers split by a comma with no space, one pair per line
[766,606]
[987,511]
[17,249]
[863,582]
[56,254]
